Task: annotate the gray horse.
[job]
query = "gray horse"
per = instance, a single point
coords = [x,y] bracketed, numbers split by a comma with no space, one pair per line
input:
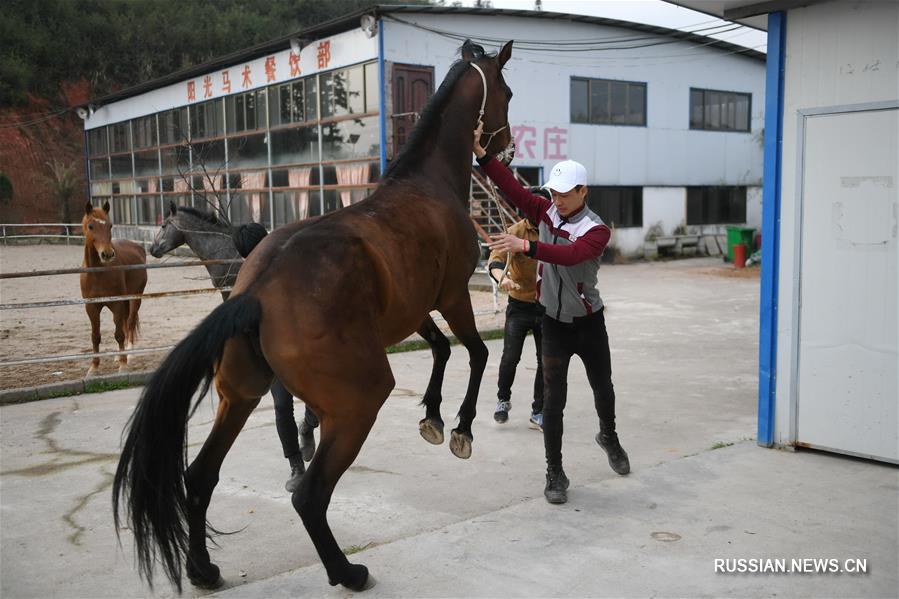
[209,237]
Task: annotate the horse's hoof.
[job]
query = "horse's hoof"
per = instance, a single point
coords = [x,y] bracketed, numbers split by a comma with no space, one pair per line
[208,577]
[355,579]
[431,431]
[460,444]
[91,372]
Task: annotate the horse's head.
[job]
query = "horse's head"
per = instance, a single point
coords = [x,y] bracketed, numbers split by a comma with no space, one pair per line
[97,227]
[497,134]
[169,235]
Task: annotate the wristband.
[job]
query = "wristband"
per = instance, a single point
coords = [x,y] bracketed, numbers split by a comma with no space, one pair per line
[524,246]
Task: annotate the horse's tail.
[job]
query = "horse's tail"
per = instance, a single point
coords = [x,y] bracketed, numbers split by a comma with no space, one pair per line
[149,479]
[132,325]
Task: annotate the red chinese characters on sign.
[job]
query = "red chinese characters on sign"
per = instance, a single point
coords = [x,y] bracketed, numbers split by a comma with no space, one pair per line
[323,54]
[207,86]
[191,91]
[247,82]
[525,139]
[270,69]
[294,62]
[226,82]
[556,137]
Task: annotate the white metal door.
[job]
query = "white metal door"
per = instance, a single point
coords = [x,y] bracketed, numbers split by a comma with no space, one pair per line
[848,381]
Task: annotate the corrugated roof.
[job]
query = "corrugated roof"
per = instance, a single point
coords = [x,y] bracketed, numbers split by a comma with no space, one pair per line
[351,20]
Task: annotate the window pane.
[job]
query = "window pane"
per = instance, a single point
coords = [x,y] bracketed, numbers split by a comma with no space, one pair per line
[210,156]
[636,101]
[121,137]
[696,109]
[100,168]
[311,98]
[355,90]
[173,126]
[247,151]
[146,163]
[742,108]
[295,145]
[175,159]
[621,206]
[315,203]
[579,101]
[121,166]
[350,139]
[618,106]
[599,102]
[332,200]
[148,210]
[261,113]
[144,130]
[372,96]
[96,141]
[296,103]
[250,207]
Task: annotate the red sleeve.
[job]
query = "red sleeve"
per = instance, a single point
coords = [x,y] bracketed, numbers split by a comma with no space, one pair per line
[590,245]
[532,205]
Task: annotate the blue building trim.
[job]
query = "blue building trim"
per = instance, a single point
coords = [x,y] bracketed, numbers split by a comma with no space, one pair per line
[774,105]
[382,109]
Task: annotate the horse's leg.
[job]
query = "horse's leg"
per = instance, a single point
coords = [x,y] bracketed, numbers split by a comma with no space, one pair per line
[132,327]
[120,318]
[431,427]
[347,406]
[93,313]
[460,317]
[241,380]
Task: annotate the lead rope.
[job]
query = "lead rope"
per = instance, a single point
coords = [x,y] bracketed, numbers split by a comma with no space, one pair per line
[499,209]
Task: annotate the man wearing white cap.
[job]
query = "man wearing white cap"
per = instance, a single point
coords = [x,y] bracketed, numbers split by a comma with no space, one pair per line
[572,239]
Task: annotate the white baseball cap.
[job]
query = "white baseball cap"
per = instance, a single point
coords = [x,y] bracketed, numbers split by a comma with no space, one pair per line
[566,175]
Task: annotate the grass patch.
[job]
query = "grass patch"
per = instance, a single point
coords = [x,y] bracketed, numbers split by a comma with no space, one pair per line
[356,548]
[720,445]
[103,386]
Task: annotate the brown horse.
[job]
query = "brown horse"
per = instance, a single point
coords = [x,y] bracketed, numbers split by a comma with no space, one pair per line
[100,249]
[315,304]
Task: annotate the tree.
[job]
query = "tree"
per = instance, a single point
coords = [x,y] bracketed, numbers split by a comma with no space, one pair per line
[63,182]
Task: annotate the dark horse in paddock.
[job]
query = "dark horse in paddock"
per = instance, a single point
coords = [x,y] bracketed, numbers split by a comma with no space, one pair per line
[100,249]
[315,305]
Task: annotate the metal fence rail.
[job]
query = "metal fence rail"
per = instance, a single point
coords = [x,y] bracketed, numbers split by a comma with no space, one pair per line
[67,226]
[73,271]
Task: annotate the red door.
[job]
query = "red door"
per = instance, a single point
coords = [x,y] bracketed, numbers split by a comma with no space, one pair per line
[413,86]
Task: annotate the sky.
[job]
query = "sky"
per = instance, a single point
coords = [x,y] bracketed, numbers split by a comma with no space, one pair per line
[651,12]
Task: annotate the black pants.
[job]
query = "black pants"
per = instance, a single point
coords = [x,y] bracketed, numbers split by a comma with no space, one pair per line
[585,337]
[284,421]
[521,317]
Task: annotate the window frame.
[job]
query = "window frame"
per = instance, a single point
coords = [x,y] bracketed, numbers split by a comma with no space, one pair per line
[593,193]
[704,192]
[590,81]
[705,127]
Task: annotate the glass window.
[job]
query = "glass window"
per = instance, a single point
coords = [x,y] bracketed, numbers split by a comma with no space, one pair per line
[209,155]
[173,126]
[372,94]
[357,138]
[146,163]
[246,112]
[149,210]
[206,119]
[175,160]
[579,101]
[310,98]
[96,142]
[332,200]
[719,110]
[617,206]
[247,151]
[606,102]
[295,146]
[250,207]
[120,137]
[144,130]
[343,92]
[121,209]
[716,205]
[356,89]
[100,189]
[99,168]
[121,166]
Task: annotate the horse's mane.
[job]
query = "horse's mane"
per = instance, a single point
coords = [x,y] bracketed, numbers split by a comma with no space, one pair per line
[430,115]
[204,215]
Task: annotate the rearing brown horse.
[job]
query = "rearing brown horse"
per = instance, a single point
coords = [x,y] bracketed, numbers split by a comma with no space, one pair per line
[100,249]
[316,304]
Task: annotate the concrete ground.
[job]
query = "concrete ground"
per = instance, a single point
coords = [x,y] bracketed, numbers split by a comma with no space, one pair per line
[429,525]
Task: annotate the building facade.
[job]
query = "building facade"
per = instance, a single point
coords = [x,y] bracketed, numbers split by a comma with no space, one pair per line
[668,124]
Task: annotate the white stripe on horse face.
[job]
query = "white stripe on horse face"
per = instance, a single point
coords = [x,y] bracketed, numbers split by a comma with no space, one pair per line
[102,222]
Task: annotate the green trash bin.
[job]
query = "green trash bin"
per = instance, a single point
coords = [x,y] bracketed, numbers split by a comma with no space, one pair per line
[737,235]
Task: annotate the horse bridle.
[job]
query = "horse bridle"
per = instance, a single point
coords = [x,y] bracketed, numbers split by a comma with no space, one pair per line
[483,104]
[491,134]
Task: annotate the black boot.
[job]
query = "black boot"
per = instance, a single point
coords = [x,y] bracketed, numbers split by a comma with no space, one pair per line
[297,469]
[617,456]
[307,441]
[556,490]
